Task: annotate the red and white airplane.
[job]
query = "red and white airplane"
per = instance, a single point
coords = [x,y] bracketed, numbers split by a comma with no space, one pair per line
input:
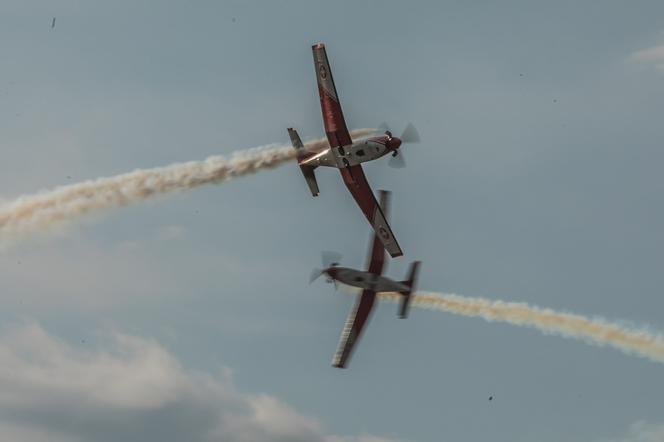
[346,155]
[371,282]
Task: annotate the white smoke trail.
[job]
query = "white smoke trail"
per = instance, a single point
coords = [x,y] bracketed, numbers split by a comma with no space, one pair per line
[593,331]
[35,212]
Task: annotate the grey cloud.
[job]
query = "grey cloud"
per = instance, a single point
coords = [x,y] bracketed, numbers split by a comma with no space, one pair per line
[132,390]
[643,432]
[653,56]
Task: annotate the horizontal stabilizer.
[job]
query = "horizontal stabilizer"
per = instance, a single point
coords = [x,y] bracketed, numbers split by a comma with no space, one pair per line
[310,177]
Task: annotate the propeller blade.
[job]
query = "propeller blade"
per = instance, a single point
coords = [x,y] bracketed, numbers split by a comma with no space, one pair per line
[397,162]
[315,274]
[330,258]
[383,127]
[410,134]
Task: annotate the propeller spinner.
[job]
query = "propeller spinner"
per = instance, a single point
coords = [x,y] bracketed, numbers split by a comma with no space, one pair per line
[328,260]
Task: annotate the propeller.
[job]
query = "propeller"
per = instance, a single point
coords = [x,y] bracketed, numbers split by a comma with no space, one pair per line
[315,274]
[409,135]
[383,127]
[397,161]
[328,259]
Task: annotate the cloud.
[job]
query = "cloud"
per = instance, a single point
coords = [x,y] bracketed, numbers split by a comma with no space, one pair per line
[652,56]
[643,432]
[172,233]
[21,434]
[365,438]
[132,390]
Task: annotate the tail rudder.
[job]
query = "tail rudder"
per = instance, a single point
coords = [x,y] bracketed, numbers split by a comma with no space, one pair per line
[410,282]
[296,142]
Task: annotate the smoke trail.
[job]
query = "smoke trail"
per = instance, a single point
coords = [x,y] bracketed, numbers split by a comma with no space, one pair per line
[35,212]
[593,331]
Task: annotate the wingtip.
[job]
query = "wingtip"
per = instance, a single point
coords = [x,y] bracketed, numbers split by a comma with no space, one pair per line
[337,362]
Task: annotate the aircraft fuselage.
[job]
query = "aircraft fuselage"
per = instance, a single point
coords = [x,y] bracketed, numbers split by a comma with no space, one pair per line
[365,280]
[359,152]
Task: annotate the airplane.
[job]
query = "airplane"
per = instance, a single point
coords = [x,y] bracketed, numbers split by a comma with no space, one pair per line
[371,282]
[346,155]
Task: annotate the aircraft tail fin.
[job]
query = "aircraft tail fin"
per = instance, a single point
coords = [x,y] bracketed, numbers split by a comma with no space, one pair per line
[410,282]
[297,142]
[307,171]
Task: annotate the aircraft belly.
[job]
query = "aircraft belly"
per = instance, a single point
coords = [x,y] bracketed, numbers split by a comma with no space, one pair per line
[328,161]
[366,280]
[360,153]
[369,150]
[323,159]
[344,157]
[356,278]
[383,284]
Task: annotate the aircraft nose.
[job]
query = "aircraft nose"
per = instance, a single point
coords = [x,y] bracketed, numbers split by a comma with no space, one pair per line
[394,143]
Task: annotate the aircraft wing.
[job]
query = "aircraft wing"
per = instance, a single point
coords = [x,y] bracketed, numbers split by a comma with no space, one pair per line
[358,186]
[353,328]
[377,253]
[333,117]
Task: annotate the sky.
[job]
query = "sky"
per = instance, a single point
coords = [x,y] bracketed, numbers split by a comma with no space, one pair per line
[190,316]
